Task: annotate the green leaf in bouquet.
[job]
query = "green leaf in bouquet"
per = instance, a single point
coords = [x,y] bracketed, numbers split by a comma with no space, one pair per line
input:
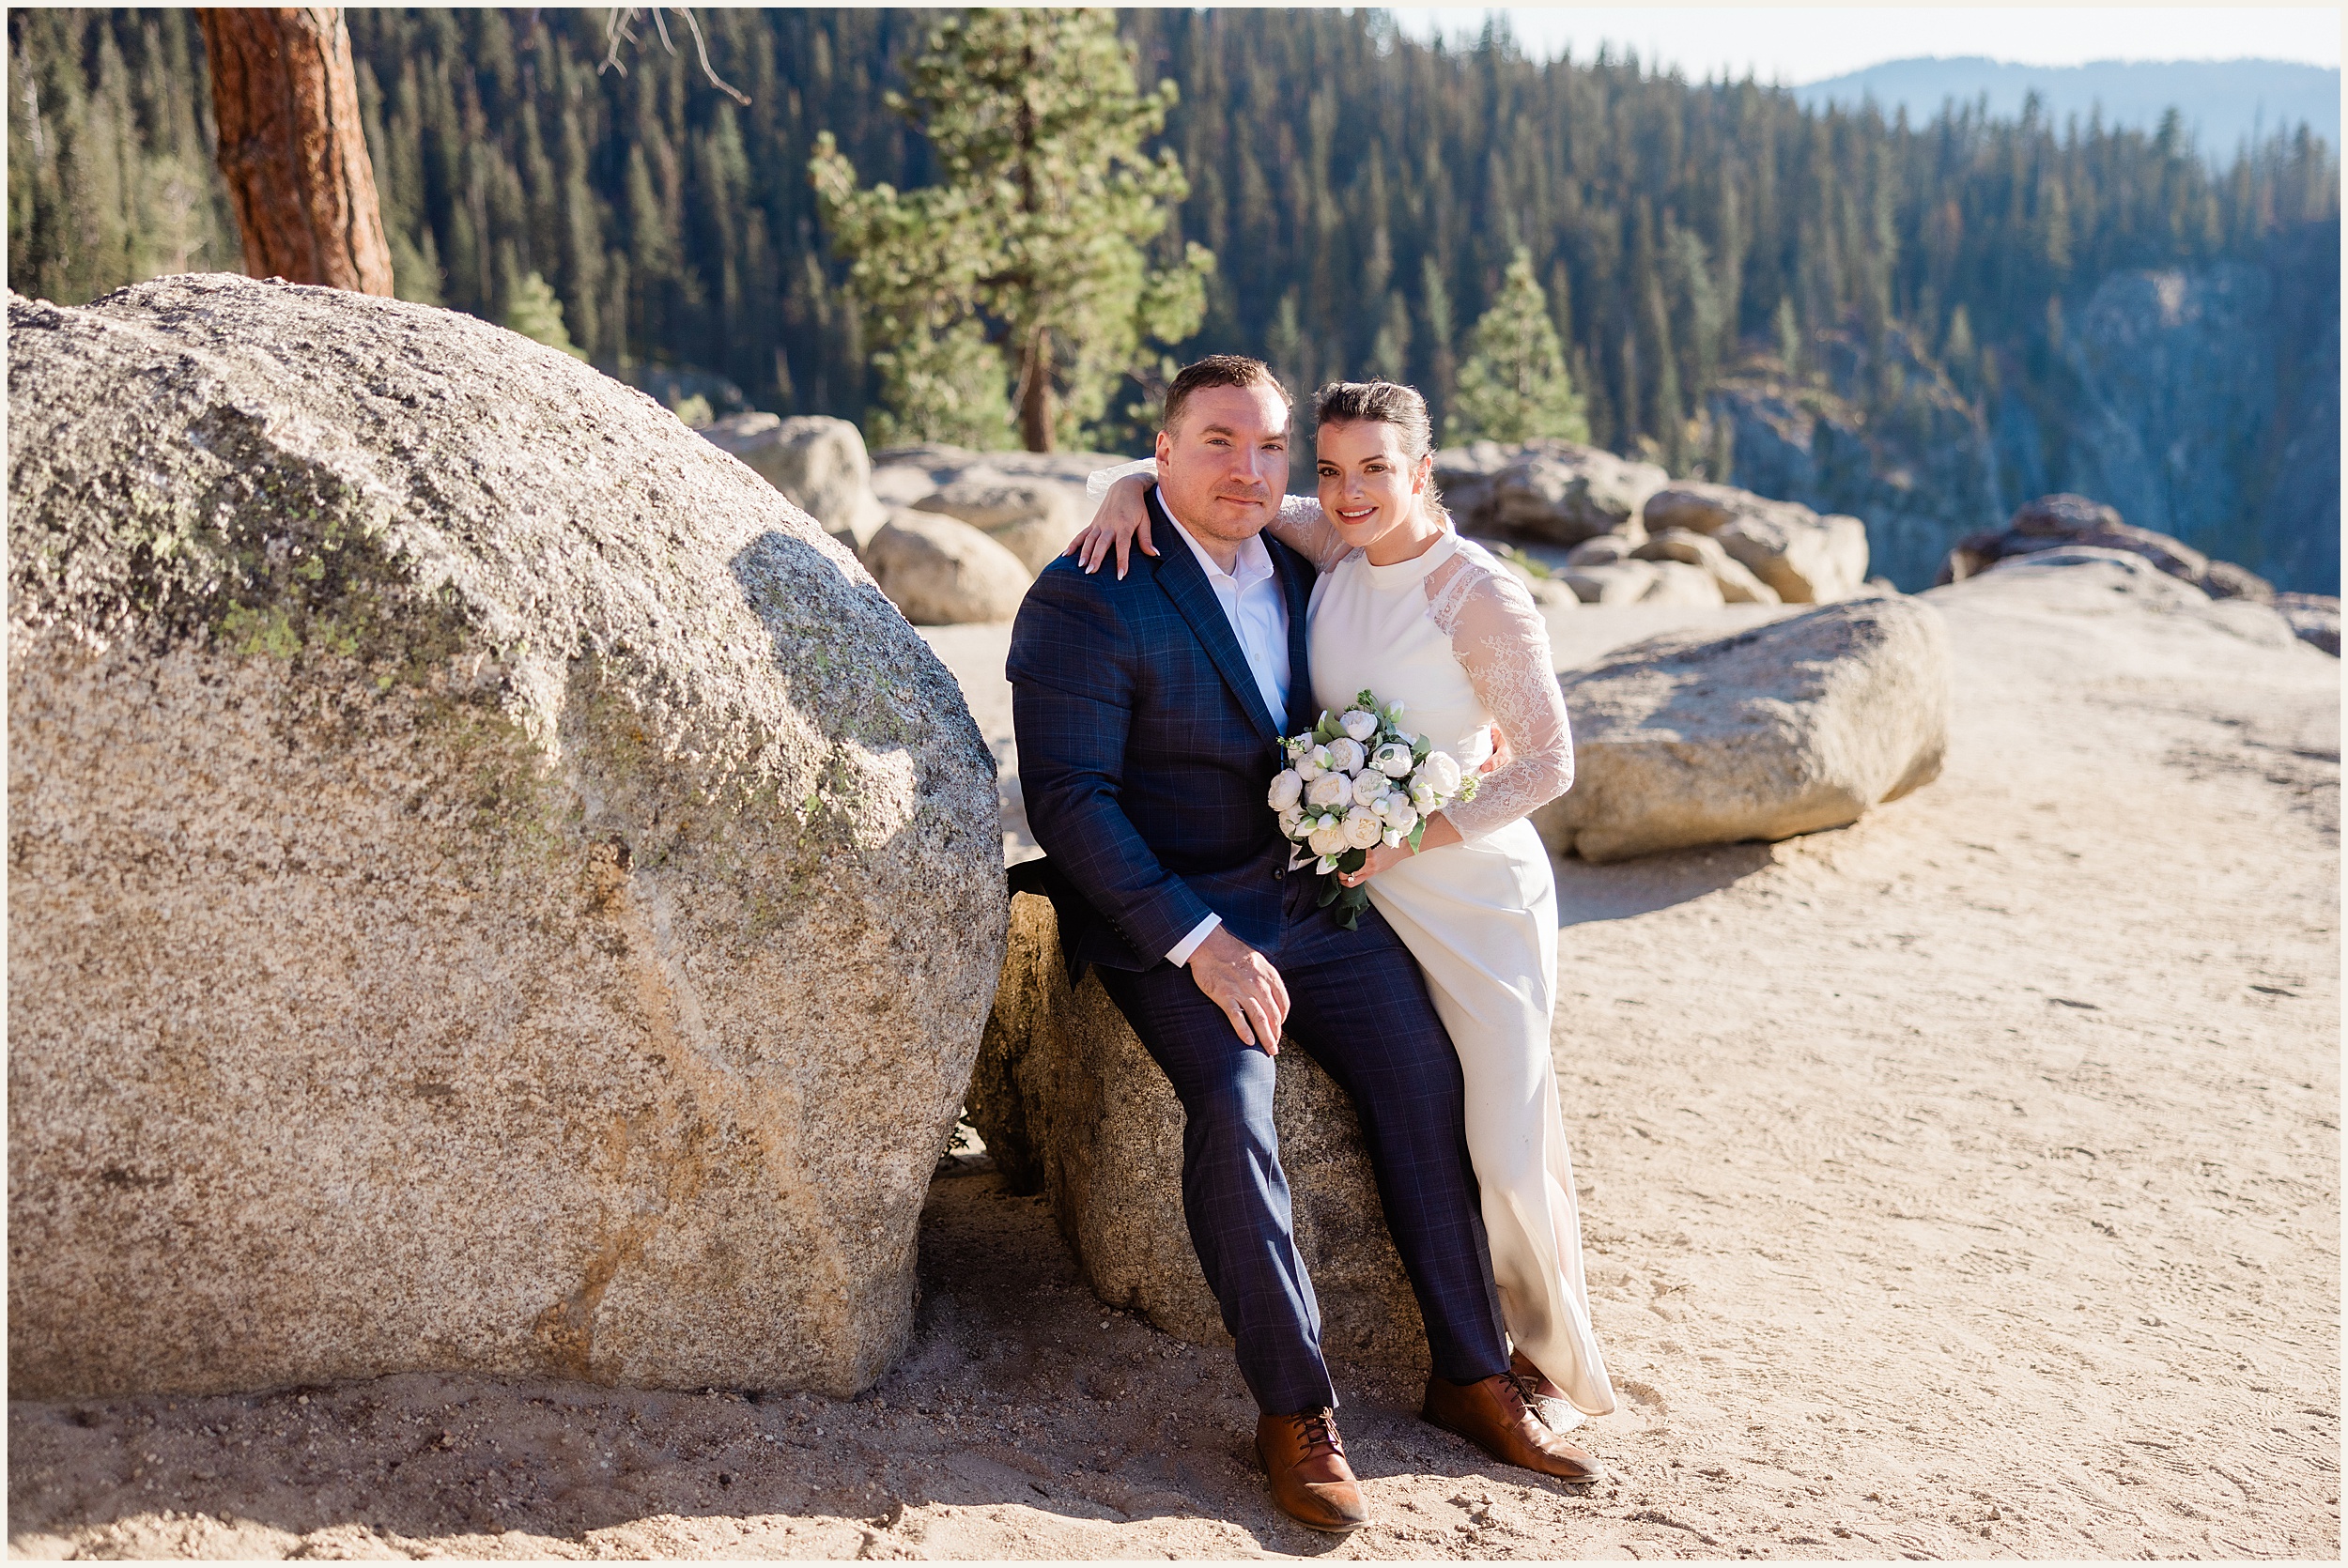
[1420,747]
[1350,903]
[1366,701]
[1353,861]
[1328,729]
[1418,831]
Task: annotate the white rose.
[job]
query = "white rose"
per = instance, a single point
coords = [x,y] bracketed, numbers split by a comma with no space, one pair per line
[1394,759]
[1330,789]
[1362,828]
[1288,785]
[1403,817]
[1358,725]
[1370,787]
[1347,756]
[1329,841]
[1442,772]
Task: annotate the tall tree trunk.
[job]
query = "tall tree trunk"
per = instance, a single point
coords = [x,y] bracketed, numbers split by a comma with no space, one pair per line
[1035,392]
[292,146]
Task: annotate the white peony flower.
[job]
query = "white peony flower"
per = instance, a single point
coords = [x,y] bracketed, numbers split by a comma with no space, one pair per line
[1329,841]
[1358,725]
[1403,817]
[1330,789]
[1297,745]
[1362,828]
[1288,785]
[1423,795]
[1288,820]
[1442,772]
[1347,756]
[1394,759]
[1394,838]
[1370,787]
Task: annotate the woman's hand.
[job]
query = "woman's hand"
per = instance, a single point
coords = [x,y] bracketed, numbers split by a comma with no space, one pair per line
[1122,517]
[1376,860]
[1434,835]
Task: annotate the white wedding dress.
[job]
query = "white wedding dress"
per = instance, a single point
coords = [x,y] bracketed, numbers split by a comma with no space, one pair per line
[1454,637]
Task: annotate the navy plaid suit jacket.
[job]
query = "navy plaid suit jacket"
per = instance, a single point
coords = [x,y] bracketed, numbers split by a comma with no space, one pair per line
[1145,749]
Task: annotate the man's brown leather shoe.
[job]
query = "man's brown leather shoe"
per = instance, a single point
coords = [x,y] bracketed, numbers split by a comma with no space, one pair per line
[1304,1459]
[1491,1414]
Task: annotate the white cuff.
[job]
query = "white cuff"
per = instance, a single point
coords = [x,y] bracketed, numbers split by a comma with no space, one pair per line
[1098,484]
[1180,954]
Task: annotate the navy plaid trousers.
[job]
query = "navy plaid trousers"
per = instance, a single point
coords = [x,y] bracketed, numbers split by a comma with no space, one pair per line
[1144,753]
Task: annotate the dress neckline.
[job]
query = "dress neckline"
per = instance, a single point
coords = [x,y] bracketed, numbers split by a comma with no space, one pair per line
[1411,573]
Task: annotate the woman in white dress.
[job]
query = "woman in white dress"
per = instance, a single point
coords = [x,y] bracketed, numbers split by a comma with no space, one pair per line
[1407,608]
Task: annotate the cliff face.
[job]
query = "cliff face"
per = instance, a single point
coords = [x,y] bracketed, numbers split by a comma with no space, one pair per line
[2200,403]
[1887,437]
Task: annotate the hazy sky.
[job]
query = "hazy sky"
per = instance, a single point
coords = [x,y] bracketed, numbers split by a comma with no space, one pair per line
[1795,44]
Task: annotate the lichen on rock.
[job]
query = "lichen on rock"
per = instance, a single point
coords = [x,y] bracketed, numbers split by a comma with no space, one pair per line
[495,888]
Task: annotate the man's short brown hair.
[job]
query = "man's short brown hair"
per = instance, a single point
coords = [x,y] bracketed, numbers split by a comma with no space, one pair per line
[1219,370]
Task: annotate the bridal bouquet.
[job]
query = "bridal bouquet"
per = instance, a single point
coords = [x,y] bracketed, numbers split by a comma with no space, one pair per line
[1356,780]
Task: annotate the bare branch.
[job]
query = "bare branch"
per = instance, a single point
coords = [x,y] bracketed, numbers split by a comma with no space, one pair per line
[700,44]
[616,32]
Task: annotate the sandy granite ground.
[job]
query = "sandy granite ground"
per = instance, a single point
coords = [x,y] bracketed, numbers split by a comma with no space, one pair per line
[1963,1183]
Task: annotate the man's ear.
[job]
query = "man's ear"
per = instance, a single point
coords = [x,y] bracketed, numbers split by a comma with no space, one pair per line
[1165,448]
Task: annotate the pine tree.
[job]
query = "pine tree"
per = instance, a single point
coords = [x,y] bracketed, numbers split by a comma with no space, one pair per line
[1035,235]
[1514,386]
[532,311]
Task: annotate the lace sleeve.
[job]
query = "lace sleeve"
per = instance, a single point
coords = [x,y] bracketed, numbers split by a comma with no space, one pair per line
[1303,527]
[1500,639]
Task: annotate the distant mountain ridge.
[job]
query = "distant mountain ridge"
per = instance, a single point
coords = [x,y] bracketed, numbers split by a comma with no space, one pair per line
[2222,102]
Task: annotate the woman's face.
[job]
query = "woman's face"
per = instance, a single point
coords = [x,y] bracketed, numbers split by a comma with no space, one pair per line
[1368,489]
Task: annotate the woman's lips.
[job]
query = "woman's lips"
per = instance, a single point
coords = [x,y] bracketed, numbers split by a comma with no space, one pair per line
[1365,512]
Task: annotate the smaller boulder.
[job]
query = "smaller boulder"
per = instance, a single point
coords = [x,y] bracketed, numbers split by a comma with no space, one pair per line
[1800,724]
[1697,505]
[817,461]
[1805,560]
[1567,493]
[2076,522]
[1737,584]
[1072,1106]
[1604,550]
[1615,582]
[1032,519]
[941,571]
[1677,583]
[2313,618]
[2225,580]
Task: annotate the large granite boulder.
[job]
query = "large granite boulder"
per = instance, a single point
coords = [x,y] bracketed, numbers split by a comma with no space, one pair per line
[819,462]
[495,888]
[942,572]
[1072,1106]
[1800,724]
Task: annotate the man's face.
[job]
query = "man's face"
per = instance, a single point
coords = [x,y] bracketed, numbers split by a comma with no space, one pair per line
[1224,469]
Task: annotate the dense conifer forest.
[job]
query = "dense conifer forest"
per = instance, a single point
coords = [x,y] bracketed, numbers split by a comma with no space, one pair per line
[1362,195]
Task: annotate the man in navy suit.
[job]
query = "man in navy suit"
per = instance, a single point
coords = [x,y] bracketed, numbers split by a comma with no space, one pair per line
[1149,708]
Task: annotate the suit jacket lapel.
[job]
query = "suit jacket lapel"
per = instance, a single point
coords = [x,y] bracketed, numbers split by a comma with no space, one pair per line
[1296,583]
[1185,583]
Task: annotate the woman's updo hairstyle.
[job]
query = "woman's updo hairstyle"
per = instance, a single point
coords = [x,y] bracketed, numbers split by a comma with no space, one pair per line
[1388,402]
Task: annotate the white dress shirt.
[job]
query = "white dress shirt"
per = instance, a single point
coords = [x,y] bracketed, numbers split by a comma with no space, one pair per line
[1259,614]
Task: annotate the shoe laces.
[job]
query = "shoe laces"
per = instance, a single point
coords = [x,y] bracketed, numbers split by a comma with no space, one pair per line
[1319,1430]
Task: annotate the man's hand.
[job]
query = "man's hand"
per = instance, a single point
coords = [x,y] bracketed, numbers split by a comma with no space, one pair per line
[1238,979]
